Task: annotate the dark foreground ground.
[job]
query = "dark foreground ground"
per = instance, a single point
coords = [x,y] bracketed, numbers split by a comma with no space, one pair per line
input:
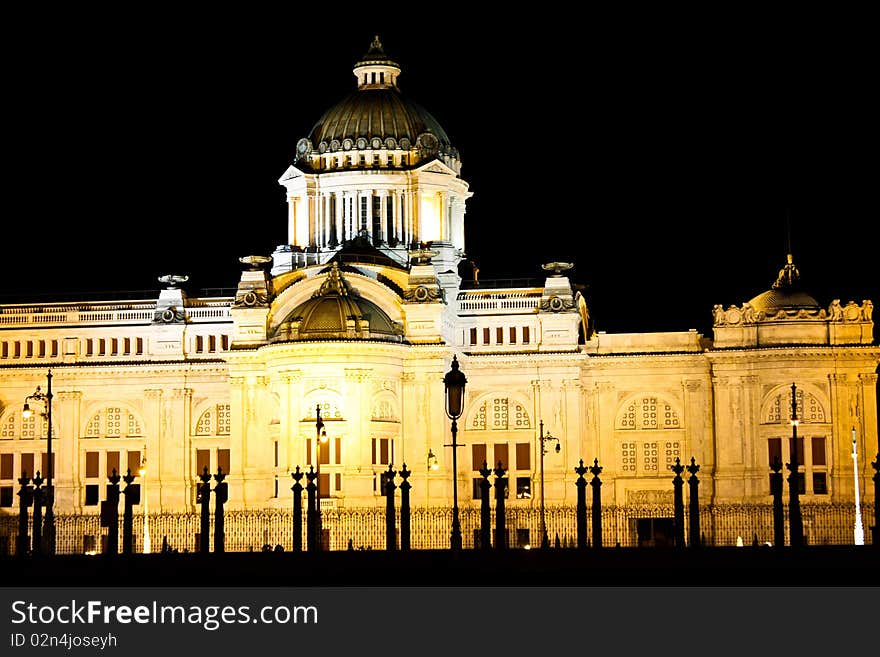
[745,566]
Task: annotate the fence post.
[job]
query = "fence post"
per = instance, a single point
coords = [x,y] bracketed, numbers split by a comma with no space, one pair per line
[112,516]
[678,503]
[404,508]
[39,497]
[485,510]
[390,532]
[204,499]
[297,489]
[221,495]
[581,509]
[694,503]
[25,499]
[778,511]
[132,494]
[875,530]
[500,492]
[311,513]
[596,485]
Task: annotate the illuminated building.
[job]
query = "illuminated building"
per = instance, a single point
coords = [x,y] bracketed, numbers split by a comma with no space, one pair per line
[361,313]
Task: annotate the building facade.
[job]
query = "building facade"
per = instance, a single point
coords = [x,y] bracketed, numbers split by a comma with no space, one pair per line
[360,315]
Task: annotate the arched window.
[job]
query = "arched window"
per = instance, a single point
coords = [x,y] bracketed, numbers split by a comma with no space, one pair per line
[214,421]
[384,411]
[500,414]
[113,422]
[24,428]
[648,412]
[777,408]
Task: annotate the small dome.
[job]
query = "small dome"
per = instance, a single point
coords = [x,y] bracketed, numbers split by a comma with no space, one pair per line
[336,312]
[785,294]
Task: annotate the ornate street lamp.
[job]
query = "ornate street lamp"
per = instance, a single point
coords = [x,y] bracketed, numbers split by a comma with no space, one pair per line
[320,438]
[26,412]
[454,383]
[545,541]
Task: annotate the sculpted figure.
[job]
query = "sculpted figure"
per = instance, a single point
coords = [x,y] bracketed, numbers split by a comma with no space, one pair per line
[867,310]
[835,312]
[749,316]
[719,314]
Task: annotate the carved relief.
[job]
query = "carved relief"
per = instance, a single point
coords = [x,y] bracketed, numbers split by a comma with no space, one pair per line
[649,497]
[556,304]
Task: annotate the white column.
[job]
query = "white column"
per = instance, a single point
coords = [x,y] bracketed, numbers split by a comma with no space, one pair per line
[339,214]
[383,204]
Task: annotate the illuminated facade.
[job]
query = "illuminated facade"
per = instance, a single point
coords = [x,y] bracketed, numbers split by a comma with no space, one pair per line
[361,314]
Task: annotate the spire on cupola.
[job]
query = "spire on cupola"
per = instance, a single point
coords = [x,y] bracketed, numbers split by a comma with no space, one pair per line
[376,70]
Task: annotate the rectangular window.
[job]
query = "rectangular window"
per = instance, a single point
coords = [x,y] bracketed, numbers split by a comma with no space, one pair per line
[337,449]
[54,348]
[114,346]
[338,481]
[275,450]
[223,459]
[92,491]
[512,335]
[29,349]
[139,344]
[501,455]
[819,451]
[523,456]
[820,485]
[324,485]
[102,346]
[134,462]
[27,465]
[323,453]
[478,454]
[486,335]
[380,451]
[523,488]
[88,347]
[774,450]
[212,343]
[44,464]
[6,466]
[5,352]
[126,346]
[499,335]
[203,460]
[112,463]
[276,487]
[199,344]
[473,340]
[224,342]
[42,349]
[91,464]
[6,496]
[477,491]
[525,334]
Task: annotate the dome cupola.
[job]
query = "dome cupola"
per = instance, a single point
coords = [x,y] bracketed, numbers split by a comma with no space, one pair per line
[375,126]
[786,294]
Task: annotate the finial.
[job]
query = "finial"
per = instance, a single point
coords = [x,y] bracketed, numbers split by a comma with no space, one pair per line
[172,280]
[788,275]
[557,267]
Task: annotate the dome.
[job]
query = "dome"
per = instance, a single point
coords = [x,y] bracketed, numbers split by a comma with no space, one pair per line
[336,312]
[785,294]
[375,126]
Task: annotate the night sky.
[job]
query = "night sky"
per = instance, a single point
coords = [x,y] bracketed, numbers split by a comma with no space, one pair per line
[662,160]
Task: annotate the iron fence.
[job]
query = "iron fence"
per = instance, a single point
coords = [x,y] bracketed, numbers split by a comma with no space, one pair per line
[364,528]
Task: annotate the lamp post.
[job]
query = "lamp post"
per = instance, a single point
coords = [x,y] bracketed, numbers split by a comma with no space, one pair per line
[454,383]
[26,412]
[320,438]
[143,473]
[858,531]
[545,541]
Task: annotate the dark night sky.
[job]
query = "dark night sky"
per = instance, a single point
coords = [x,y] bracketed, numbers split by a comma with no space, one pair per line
[660,156]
